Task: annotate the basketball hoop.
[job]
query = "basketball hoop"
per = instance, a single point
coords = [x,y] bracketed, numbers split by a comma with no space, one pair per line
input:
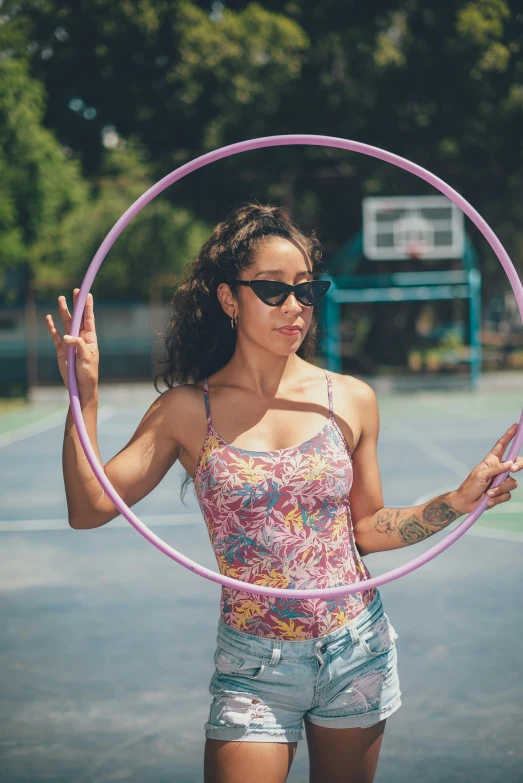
[416,250]
[396,228]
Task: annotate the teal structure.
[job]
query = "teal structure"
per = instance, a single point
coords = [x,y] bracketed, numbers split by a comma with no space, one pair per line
[396,287]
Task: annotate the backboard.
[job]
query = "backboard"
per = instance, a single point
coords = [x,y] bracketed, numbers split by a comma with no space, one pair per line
[400,227]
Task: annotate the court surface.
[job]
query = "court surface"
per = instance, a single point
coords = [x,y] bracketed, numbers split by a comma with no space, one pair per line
[107,644]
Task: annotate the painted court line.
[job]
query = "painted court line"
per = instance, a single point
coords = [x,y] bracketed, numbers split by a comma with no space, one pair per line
[43,525]
[180,520]
[512,507]
[47,423]
[434,451]
[499,535]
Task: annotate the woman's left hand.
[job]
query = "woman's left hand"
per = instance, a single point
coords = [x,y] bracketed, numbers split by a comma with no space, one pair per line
[477,484]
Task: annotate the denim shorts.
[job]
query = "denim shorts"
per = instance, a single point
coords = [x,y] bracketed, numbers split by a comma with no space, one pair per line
[263,688]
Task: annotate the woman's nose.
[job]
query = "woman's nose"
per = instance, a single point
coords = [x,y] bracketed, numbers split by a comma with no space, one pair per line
[292,304]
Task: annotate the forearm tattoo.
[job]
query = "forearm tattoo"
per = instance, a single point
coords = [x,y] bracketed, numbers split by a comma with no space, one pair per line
[413,525]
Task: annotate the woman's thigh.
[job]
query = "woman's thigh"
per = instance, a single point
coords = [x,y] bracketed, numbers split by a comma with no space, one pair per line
[344,755]
[256,762]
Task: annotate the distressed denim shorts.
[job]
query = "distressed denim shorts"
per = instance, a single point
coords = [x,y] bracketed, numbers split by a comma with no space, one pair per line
[263,688]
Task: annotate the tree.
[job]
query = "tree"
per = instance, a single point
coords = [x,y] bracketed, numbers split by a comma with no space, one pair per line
[167,73]
[52,220]
[162,238]
[40,186]
[440,85]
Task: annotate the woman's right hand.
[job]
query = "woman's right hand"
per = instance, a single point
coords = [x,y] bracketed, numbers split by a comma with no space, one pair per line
[86,344]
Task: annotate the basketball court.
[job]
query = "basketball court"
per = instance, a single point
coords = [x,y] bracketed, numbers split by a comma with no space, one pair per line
[108,644]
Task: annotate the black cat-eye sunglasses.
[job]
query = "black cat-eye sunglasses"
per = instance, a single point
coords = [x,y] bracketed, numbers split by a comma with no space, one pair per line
[274,293]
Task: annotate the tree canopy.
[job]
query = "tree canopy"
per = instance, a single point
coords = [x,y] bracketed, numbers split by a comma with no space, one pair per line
[138,88]
[39,185]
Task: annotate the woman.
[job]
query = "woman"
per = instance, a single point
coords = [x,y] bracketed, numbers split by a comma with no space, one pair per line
[276,446]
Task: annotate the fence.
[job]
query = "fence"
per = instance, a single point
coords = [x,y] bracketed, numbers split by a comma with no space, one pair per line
[131,348]
[128,340]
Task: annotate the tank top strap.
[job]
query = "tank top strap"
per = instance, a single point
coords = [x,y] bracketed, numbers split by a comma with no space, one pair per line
[206,399]
[329,389]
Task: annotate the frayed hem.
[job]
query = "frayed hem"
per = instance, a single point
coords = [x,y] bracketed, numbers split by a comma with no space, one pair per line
[231,734]
[355,721]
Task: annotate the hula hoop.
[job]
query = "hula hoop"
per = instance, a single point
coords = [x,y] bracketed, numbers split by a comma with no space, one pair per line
[139,204]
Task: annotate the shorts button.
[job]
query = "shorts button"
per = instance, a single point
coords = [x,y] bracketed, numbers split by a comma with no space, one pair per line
[323,648]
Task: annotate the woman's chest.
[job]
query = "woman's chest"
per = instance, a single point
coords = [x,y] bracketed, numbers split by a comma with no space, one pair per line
[313,473]
[244,430]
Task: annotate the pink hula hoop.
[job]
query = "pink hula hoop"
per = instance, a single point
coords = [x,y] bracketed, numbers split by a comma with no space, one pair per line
[139,204]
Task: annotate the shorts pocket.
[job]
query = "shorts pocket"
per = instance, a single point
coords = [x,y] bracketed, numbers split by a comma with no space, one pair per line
[240,664]
[379,638]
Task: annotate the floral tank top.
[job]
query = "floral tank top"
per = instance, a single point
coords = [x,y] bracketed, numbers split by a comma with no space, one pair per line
[282,518]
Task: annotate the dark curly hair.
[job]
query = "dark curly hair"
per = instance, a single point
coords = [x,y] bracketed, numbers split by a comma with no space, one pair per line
[199,339]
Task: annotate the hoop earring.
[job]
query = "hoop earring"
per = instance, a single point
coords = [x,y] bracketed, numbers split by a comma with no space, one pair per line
[234,321]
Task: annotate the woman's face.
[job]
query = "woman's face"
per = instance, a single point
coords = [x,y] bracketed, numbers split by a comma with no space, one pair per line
[275,259]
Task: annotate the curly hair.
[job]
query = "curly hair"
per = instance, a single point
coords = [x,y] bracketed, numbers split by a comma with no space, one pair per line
[199,340]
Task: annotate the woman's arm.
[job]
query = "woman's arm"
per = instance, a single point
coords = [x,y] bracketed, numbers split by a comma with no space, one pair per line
[134,472]
[137,468]
[377,528]
[392,528]
[82,488]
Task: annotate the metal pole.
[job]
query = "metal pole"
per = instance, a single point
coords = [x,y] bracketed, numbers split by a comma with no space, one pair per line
[332,327]
[31,347]
[155,298]
[475,328]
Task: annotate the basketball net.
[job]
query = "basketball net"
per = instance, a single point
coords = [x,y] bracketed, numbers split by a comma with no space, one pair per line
[416,250]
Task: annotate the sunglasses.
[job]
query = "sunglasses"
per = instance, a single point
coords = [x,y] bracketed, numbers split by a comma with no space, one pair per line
[274,293]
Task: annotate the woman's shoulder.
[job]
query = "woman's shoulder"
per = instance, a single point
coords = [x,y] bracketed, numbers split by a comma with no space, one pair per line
[185,398]
[183,393]
[355,405]
[186,411]
[349,384]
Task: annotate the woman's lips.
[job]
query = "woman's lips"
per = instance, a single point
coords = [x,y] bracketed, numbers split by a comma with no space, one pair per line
[290,331]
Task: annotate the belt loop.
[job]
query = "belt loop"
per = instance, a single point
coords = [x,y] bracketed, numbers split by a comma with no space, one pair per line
[276,653]
[354,635]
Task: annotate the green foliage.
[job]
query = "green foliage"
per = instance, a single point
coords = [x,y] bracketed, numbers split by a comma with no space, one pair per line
[164,72]
[161,239]
[240,62]
[441,84]
[482,21]
[388,50]
[40,187]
